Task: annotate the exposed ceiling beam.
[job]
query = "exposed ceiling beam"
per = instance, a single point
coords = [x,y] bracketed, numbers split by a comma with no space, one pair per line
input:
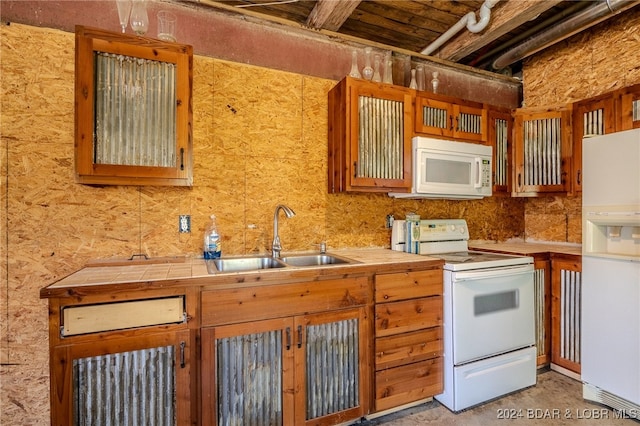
[331,14]
[505,16]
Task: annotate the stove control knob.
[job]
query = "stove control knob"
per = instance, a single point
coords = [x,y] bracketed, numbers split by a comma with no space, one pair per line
[453,228]
[462,229]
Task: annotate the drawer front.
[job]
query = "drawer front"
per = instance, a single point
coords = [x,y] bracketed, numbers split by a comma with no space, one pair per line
[408,285]
[273,301]
[406,348]
[85,319]
[408,315]
[408,383]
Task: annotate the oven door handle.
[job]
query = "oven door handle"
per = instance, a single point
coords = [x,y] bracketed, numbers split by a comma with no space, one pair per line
[493,273]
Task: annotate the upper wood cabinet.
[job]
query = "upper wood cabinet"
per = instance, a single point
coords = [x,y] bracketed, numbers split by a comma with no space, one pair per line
[370,130]
[594,116]
[499,137]
[440,115]
[629,107]
[133,112]
[542,151]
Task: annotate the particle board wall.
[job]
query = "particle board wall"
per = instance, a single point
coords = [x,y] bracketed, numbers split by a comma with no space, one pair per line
[603,58]
[260,138]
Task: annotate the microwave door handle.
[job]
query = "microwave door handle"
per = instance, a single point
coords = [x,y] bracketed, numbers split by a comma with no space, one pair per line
[478,179]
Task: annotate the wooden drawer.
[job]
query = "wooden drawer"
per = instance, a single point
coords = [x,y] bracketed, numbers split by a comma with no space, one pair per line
[229,306]
[83,319]
[409,285]
[406,348]
[408,315]
[408,383]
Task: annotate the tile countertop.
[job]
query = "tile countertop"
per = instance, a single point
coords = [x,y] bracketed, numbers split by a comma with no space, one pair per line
[193,271]
[526,248]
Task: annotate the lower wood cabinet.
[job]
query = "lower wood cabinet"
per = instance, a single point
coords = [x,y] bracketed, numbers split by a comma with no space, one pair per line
[294,369]
[566,311]
[129,380]
[408,337]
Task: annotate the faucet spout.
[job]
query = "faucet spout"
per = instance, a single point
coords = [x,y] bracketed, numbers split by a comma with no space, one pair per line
[276,246]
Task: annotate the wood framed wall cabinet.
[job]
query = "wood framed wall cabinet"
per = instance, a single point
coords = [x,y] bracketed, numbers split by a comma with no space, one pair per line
[444,116]
[370,130]
[542,151]
[500,139]
[133,110]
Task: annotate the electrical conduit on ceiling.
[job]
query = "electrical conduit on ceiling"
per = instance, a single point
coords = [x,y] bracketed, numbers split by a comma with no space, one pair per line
[572,25]
[469,21]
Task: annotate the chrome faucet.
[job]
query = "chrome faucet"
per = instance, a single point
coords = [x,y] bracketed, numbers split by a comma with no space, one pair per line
[276,247]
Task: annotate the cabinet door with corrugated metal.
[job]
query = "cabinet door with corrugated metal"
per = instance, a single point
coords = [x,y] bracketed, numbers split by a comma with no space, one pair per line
[566,311]
[136,380]
[542,141]
[309,369]
[370,130]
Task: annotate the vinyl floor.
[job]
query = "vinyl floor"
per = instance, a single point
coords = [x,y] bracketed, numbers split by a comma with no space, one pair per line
[555,400]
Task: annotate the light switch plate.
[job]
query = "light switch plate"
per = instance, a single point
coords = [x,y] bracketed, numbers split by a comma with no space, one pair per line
[184,224]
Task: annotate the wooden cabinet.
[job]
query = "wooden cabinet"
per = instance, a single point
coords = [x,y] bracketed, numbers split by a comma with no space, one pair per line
[370,130]
[499,137]
[542,151]
[307,364]
[443,116]
[595,116]
[629,107]
[122,374]
[566,291]
[408,337]
[133,110]
[542,294]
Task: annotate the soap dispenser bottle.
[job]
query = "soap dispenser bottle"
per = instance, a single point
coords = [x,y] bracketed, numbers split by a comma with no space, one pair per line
[211,248]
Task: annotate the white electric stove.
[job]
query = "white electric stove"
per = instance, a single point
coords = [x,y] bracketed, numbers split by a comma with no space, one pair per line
[489,340]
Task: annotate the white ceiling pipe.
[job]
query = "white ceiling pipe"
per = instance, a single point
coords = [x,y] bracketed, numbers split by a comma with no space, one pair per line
[469,21]
[567,28]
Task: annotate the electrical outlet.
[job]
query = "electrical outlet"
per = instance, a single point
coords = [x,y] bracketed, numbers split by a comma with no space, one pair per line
[184,224]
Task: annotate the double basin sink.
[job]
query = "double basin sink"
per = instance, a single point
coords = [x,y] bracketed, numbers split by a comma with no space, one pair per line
[255,263]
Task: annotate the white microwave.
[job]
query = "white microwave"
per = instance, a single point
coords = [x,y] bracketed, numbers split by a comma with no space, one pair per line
[449,170]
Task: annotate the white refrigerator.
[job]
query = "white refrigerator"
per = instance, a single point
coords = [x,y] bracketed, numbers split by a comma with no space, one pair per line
[610,367]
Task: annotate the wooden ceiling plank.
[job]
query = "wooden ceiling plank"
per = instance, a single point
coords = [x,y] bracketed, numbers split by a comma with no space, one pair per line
[331,14]
[505,17]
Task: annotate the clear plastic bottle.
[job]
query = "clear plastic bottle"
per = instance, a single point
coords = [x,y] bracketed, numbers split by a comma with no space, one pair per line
[211,248]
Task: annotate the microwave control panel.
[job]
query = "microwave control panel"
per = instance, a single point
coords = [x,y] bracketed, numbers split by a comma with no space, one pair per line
[486,173]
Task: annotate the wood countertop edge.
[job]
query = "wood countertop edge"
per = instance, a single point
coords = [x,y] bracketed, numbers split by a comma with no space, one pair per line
[395,262]
[528,248]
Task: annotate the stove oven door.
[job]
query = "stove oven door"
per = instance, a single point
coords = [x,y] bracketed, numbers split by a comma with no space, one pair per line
[492,311]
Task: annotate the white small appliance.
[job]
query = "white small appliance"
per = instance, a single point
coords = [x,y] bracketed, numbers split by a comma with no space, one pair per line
[610,365]
[489,328]
[449,170]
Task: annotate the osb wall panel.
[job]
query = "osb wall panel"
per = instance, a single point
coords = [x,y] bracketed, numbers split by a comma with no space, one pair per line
[260,139]
[597,61]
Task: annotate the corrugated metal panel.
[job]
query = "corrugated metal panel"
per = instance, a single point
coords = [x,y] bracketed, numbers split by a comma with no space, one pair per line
[135,111]
[435,117]
[538,281]
[571,295]
[469,123]
[593,122]
[502,138]
[381,136]
[126,389]
[332,367]
[249,376]
[542,152]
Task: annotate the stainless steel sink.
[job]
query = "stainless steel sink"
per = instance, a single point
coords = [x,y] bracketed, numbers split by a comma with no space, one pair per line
[315,260]
[243,264]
